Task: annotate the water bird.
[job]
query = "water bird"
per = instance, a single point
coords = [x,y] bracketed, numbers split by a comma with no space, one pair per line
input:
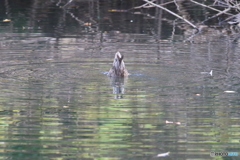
[118,68]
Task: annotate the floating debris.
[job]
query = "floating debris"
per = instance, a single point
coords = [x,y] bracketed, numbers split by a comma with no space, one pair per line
[163,154]
[170,122]
[87,24]
[211,72]
[229,91]
[6,20]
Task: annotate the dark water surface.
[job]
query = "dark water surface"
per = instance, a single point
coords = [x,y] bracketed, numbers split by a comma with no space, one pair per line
[56,101]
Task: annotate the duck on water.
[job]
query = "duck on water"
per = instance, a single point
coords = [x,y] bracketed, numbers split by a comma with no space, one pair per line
[118,69]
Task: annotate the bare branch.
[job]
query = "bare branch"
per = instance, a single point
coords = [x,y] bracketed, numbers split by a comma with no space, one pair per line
[208,7]
[224,11]
[146,5]
[171,13]
[176,5]
[216,15]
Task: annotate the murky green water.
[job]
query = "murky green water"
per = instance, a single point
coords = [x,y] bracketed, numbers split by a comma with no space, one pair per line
[56,101]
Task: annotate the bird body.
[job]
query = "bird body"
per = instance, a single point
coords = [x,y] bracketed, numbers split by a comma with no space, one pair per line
[118,69]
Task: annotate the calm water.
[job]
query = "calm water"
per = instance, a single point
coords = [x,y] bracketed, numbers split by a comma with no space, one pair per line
[56,101]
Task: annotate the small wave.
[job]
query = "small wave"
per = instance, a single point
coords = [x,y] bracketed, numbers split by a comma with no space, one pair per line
[104,73]
[136,74]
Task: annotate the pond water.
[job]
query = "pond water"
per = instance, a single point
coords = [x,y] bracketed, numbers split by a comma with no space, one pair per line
[57,102]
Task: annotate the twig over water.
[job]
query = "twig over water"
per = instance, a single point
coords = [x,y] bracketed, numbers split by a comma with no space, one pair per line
[159,6]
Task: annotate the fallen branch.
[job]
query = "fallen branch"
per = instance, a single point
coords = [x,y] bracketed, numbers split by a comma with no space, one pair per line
[163,8]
